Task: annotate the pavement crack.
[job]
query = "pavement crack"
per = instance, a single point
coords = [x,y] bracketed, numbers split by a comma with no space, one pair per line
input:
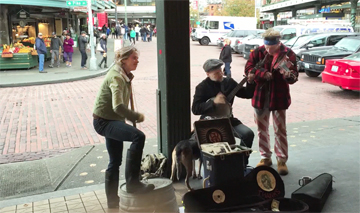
[72,169]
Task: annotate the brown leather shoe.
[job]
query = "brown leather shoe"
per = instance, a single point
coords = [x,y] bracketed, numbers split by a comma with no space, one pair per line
[282,168]
[265,162]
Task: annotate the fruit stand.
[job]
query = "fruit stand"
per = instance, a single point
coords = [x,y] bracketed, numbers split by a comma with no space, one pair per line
[17,56]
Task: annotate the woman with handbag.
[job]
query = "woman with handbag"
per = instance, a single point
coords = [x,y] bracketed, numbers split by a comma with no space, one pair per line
[102,48]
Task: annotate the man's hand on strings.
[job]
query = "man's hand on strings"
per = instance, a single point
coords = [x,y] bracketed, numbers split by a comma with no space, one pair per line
[220,98]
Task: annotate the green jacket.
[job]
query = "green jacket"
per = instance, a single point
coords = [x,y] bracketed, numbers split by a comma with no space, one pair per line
[132,33]
[114,91]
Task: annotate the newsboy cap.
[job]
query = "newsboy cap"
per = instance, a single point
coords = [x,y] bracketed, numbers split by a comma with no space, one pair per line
[212,64]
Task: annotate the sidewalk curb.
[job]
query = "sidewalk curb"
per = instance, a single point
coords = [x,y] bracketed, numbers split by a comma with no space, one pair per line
[58,81]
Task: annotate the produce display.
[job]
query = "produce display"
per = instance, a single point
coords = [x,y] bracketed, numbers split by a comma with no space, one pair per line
[16,48]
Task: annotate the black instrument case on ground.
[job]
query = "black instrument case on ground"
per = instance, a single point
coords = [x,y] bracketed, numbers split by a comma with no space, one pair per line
[316,192]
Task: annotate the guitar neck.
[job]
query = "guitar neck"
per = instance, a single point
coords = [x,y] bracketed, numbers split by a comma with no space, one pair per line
[236,89]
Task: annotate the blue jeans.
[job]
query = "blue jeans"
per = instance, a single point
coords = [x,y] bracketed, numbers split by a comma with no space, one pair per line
[144,37]
[41,62]
[126,36]
[115,133]
[246,136]
[227,69]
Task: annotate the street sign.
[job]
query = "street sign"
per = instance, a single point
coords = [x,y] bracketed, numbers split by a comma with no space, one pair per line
[76,3]
[80,9]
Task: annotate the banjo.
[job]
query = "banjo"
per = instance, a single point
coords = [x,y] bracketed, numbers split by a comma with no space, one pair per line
[225,110]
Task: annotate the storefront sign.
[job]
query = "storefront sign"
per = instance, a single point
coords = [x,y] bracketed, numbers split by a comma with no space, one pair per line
[76,3]
[23,14]
[82,9]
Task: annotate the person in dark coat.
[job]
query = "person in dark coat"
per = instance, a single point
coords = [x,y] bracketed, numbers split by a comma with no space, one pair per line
[271,96]
[226,57]
[54,50]
[217,87]
[83,40]
[103,45]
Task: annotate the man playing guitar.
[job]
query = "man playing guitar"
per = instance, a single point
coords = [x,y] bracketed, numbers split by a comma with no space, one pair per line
[217,92]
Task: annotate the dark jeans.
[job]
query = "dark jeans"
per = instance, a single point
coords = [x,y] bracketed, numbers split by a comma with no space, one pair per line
[83,58]
[115,133]
[246,136]
[137,37]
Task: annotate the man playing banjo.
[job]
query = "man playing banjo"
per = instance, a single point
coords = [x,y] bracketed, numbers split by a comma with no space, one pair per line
[214,97]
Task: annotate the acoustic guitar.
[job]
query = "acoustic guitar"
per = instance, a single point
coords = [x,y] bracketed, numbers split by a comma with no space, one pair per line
[225,110]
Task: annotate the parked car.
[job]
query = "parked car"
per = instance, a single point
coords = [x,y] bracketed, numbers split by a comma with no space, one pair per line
[221,39]
[344,73]
[240,43]
[290,31]
[248,48]
[315,41]
[239,34]
[314,61]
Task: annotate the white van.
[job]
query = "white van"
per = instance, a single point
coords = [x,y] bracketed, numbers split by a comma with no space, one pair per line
[213,27]
[290,31]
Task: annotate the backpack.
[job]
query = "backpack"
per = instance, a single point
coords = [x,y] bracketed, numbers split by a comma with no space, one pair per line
[153,165]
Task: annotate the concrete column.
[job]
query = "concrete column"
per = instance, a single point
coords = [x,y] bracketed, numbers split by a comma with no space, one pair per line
[317,8]
[4,25]
[353,13]
[294,13]
[275,18]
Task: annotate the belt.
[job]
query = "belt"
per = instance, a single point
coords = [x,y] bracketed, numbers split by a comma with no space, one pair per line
[96,117]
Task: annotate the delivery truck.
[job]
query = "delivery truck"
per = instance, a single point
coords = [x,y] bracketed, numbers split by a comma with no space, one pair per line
[212,27]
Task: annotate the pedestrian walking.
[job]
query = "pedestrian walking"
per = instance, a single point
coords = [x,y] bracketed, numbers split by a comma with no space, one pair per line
[226,57]
[68,50]
[155,30]
[41,50]
[113,32]
[103,51]
[83,40]
[132,35]
[137,31]
[148,33]
[54,50]
[110,112]
[271,96]
[108,32]
[63,37]
[117,31]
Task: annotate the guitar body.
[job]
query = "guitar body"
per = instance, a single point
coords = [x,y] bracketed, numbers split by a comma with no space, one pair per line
[221,110]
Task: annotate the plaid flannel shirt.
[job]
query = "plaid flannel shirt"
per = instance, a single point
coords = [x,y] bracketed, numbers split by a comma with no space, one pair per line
[277,88]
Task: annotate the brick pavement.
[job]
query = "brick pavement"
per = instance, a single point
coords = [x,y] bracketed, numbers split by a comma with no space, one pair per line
[39,120]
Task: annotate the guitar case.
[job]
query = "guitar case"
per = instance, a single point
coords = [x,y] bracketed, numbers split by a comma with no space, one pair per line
[254,191]
[316,192]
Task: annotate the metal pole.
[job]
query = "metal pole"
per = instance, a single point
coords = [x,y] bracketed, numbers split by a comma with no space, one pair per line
[125,1]
[92,40]
[116,17]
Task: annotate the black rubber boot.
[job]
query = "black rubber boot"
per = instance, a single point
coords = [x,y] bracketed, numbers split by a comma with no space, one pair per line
[132,173]
[111,189]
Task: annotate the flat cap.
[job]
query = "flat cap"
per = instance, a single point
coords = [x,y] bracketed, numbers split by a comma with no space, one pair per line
[212,64]
[83,32]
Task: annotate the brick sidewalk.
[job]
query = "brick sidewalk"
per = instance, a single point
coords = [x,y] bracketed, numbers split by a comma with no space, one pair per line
[38,121]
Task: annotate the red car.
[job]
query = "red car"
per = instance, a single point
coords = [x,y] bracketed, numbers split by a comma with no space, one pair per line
[344,73]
